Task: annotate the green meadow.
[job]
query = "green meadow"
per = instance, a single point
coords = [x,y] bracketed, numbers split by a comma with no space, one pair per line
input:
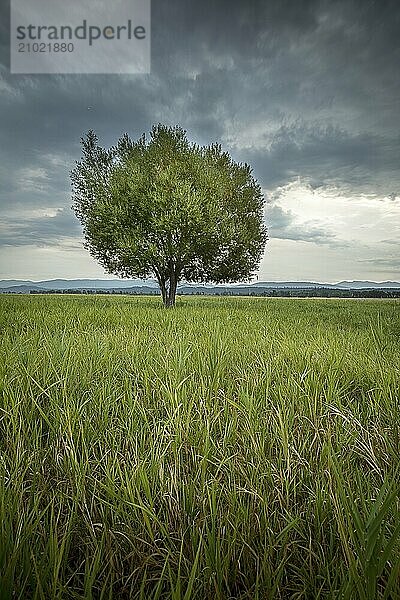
[229,448]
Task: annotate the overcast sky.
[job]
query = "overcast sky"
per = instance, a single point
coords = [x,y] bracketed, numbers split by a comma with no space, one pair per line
[306,92]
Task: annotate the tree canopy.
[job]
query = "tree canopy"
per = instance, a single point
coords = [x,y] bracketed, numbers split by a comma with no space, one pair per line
[166,208]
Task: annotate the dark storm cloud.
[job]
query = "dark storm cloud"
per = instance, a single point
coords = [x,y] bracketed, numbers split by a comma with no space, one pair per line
[329,155]
[59,229]
[295,88]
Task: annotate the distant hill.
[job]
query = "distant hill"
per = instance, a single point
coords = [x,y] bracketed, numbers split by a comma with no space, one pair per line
[140,286]
[353,285]
[78,284]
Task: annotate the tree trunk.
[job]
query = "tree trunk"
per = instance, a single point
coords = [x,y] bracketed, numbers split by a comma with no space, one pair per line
[164,292]
[168,292]
[172,290]
[163,289]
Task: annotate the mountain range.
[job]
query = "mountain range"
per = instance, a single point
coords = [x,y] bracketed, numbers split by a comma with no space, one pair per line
[150,286]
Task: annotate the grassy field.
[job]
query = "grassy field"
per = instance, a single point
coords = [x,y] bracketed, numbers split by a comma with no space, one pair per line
[227,448]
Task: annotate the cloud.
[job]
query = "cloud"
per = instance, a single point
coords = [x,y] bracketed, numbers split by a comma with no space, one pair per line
[32,179]
[393,262]
[326,156]
[285,225]
[259,76]
[51,228]
[391,242]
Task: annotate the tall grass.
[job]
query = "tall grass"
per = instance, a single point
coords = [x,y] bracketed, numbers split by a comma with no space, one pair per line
[229,448]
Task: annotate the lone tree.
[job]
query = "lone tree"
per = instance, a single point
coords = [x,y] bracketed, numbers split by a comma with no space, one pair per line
[166,208]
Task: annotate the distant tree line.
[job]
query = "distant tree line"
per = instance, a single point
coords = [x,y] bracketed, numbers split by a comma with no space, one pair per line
[271,292]
[315,293]
[132,292]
